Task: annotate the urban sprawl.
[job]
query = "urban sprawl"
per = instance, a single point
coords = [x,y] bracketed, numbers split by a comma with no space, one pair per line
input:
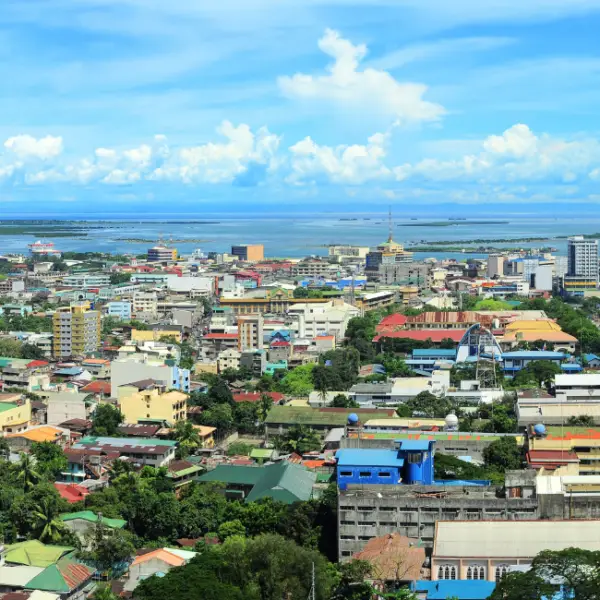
[353,426]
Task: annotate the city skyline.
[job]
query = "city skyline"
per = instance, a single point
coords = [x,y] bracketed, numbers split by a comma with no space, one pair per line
[122,105]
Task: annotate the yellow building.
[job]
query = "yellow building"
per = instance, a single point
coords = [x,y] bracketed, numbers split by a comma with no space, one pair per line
[76,330]
[531,331]
[277,301]
[152,404]
[14,416]
[151,335]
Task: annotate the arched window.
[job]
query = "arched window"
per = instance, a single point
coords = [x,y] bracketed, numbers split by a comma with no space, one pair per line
[441,573]
[481,573]
[501,571]
[470,573]
[452,572]
[446,572]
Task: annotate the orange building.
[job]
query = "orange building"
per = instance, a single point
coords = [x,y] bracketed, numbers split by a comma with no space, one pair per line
[249,252]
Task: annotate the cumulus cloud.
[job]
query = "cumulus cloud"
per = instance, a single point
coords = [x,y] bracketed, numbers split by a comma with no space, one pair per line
[370,90]
[346,164]
[26,146]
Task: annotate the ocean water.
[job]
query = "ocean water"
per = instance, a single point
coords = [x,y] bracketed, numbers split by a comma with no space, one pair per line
[299,236]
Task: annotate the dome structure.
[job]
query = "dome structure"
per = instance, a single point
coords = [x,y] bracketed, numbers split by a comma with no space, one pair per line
[451,422]
[539,429]
[352,419]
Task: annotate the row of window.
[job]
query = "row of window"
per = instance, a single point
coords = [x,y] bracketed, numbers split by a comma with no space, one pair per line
[475,572]
[366,474]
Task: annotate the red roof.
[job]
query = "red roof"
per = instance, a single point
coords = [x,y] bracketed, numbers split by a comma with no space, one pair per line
[221,336]
[422,335]
[71,492]
[255,396]
[280,344]
[97,387]
[37,363]
[395,320]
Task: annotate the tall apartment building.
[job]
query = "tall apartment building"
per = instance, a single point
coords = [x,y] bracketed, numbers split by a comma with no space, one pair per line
[250,331]
[582,257]
[76,330]
[145,302]
[161,253]
[248,252]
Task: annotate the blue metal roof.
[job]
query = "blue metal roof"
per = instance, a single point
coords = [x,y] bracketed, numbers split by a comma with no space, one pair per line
[414,445]
[420,361]
[69,371]
[590,357]
[463,590]
[368,458]
[571,367]
[533,355]
[428,353]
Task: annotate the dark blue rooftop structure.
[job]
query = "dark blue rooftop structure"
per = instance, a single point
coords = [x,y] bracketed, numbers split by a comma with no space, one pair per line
[410,463]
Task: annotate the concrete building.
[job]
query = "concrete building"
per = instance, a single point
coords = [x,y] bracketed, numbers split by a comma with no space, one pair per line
[249,252]
[146,400]
[250,332]
[158,561]
[347,253]
[15,416]
[329,318]
[495,265]
[76,331]
[404,273]
[488,550]
[584,388]
[583,257]
[152,452]
[145,303]
[229,359]
[24,374]
[134,369]
[118,310]
[255,360]
[65,406]
[161,253]
[86,280]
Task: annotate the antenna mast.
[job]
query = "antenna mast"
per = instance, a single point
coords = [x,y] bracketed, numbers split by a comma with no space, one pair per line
[391,225]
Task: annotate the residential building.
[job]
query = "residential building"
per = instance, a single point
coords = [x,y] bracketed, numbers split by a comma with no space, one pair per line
[582,257]
[229,359]
[250,332]
[513,362]
[145,303]
[86,280]
[216,343]
[24,374]
[495,265]
[64,406]
[152,452]
[15,416]
[248,252]
[22,441]
[488,550]
[329,318]
[20,310]
[376,300]
[255,360]
[99,368]
[81,522]
[578,285]
[284,482]
[160,253]
[151,402]
[87,464]
[76,331]
[118,310]
[183,472]
[156,333]
[155,562]
[404,273]
[347,253]
[135,368]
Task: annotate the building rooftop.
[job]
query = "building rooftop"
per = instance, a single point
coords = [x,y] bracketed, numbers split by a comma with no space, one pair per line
[435,335]
[512,539]
[35,554]
[300,415]
[368,458]
[533,355]
[91,517]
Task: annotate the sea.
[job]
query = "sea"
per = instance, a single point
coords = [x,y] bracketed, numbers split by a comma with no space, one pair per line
[299,236]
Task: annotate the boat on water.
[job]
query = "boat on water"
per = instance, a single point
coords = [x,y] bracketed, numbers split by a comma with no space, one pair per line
[40,248]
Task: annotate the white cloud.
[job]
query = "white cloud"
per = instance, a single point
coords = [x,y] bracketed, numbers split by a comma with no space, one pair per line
[121,177]
[26,146]
[354,164]
[369,90]
[105,153]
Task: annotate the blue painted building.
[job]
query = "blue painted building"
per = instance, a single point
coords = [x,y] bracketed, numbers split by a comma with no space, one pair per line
[410,463]
[119,310]
[462,590]
[434,354]
[517,360]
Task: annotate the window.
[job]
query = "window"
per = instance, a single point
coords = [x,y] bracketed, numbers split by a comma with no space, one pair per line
[385,474]
[364,474]
[345,473]
[447,572]
[501,571]
[476,572]
[413,458]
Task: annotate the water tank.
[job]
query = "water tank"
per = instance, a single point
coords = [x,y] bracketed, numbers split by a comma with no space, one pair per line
[352,419]
[539,429]
[451,422]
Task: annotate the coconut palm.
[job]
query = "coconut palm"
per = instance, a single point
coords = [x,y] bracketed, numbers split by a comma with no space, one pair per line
[103,592]
[26,472]
[49,525]
[187,436]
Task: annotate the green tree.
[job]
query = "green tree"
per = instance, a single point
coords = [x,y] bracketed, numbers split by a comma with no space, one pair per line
[231,528]
[540,372]
[26,473]
[48,523]
[342,401]
[503,454]
[50,459]
[106,547]
[106,420]
[219,416]
[10,348]
[522,586]
[297,382]
[32,352]
[353,583]
[300,292]
[581,421]
[187,435]
[299,439]
[104,592]
[239,449]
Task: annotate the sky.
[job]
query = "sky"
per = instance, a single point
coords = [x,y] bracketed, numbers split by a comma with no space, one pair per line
[167,106]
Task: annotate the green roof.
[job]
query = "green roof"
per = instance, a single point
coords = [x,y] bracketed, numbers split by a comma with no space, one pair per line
[578,430]
[88,515]
[303,415]
[35,554]
[434,435]
[261,453]
[184,472]
[285,482]
[4,406]
[17,362]
[62,577]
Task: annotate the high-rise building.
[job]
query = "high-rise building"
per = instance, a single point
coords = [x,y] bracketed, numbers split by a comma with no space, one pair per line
[249,252]
[250,331]
[582,257]
[495,265]
[161,253]
[76,330]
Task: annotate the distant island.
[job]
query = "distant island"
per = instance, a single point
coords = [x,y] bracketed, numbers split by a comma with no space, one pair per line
[455,223]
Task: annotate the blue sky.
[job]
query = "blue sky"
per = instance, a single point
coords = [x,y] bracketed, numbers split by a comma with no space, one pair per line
[154,105]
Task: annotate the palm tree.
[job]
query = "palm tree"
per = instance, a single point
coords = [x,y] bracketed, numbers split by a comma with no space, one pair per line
[26,472]
[49,524]
[187,436]
[103,592]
